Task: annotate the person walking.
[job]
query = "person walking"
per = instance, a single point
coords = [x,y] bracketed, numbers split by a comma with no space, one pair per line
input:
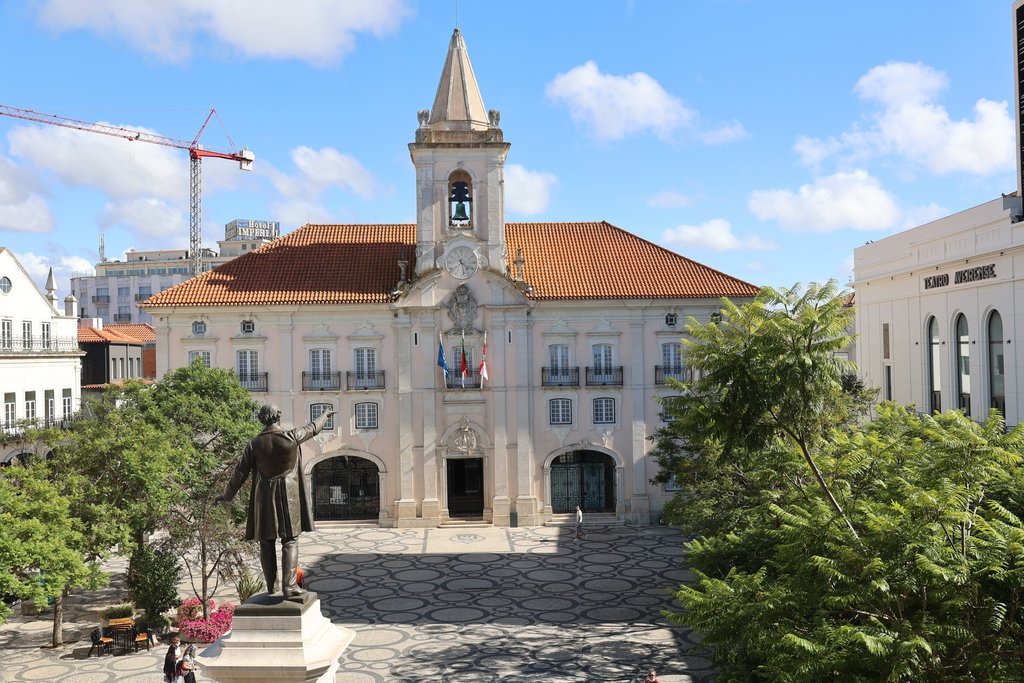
[652,677]
[579,523]
[187,666]
[171,660]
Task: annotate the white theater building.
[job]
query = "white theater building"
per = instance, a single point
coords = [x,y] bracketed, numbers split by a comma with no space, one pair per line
[582,324]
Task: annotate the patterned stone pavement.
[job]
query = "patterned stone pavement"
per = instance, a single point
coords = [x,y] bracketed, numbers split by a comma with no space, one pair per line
[466,604]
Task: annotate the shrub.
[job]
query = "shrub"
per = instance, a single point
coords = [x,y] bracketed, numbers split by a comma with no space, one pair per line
[208,630]
[191,609]
[125,609]
[153,582]
[248,584]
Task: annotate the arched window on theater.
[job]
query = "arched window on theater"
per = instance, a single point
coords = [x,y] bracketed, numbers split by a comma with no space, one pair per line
[963,365]
[996,366]
[934,370]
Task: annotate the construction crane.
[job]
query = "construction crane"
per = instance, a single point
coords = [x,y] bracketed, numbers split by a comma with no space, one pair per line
[196,154]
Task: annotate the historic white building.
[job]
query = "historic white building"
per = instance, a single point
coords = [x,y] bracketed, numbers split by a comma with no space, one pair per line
[40,362]
[937,312]
[579,325]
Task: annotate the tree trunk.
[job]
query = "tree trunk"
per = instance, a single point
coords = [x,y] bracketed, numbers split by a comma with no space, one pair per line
[58,619]
[206,579]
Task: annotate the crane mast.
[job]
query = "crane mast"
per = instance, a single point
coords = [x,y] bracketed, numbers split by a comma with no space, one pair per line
[196,153]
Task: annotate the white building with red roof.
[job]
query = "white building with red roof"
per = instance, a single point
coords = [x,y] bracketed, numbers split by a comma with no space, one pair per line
[40,362]
[580,323]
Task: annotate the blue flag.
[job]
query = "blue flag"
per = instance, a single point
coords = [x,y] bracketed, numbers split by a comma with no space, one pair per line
[441,362]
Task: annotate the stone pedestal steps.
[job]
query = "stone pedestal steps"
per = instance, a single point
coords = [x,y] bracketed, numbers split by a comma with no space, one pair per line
[589,519]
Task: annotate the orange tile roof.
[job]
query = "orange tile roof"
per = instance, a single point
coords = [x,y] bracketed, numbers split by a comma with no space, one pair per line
[142,331]
[329,264]
[90,335]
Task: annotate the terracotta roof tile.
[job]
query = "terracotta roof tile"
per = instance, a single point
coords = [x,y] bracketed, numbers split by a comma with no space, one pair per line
[142,331]
[330,264]
[90,335]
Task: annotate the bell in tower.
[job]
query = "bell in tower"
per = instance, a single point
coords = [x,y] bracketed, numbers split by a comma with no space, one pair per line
[460,200]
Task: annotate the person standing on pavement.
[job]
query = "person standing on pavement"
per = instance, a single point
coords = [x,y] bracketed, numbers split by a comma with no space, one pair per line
[579,523]
[652,677]
[171,660]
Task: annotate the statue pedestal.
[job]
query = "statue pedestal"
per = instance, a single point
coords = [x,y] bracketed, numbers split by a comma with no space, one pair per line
[274,639]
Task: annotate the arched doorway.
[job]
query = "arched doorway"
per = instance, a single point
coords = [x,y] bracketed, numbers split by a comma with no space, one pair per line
[345,487]
[584,478]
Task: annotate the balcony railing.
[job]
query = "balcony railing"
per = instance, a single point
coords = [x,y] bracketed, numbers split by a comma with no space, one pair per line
[355,380]
[663,373]
[254,381]
[560,377]
[101,298]
[19,427]
[455,381]
[122,317]
[604,376]
[321,381]
[38,345]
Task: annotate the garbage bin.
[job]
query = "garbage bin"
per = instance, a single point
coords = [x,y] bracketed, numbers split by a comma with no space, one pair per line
[513,519]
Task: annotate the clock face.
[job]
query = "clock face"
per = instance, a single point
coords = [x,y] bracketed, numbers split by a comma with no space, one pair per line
[461,262]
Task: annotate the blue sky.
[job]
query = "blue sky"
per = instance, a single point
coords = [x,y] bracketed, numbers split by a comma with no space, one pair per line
[757,137]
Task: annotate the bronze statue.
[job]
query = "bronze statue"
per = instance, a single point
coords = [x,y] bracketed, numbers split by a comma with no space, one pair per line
[279,506]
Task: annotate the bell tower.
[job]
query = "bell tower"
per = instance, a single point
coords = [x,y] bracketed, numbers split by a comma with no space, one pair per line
[459,155]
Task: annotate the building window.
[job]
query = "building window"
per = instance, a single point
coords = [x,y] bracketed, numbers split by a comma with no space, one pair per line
[885,341]
[198,328]
[247,364]
[560,411]
[113,368]
[9,409]
[320,364]
[604,411]
[26,334]
[366,416]
[318,409]
[671,319]
[963,356]
[602,359]
[671,364]
[66,401]
[888,382]
[365,367]
[996,367]
[124,292]
[30,405]
[5,284]
[6,333]
[46,340]
[248,327]
[934,370]
[49,405]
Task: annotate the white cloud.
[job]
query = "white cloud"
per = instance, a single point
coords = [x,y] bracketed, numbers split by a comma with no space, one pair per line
[723,135]
[911,125]
[39,266]
[715,234]
[148,216]
[119,168]
[319,170]
[669,199]
[899,83]
[296,212]
[527,192]
[617,106]
[843,200]
[22,208]
[320,32]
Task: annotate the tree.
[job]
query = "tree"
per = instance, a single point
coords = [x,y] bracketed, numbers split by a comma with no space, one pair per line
[153,582]
[211,420]
[769,371]
[46,548]
[829,549]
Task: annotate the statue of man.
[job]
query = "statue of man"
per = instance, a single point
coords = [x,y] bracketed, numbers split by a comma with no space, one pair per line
[279,507]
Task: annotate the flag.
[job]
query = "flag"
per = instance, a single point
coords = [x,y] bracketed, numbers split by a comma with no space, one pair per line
[441,362]
[462,366]
[483,363]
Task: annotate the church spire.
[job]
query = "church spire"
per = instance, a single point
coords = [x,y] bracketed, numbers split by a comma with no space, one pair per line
[458,104]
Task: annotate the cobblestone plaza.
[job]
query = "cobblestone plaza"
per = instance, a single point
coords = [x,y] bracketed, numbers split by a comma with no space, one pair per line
[447,604]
